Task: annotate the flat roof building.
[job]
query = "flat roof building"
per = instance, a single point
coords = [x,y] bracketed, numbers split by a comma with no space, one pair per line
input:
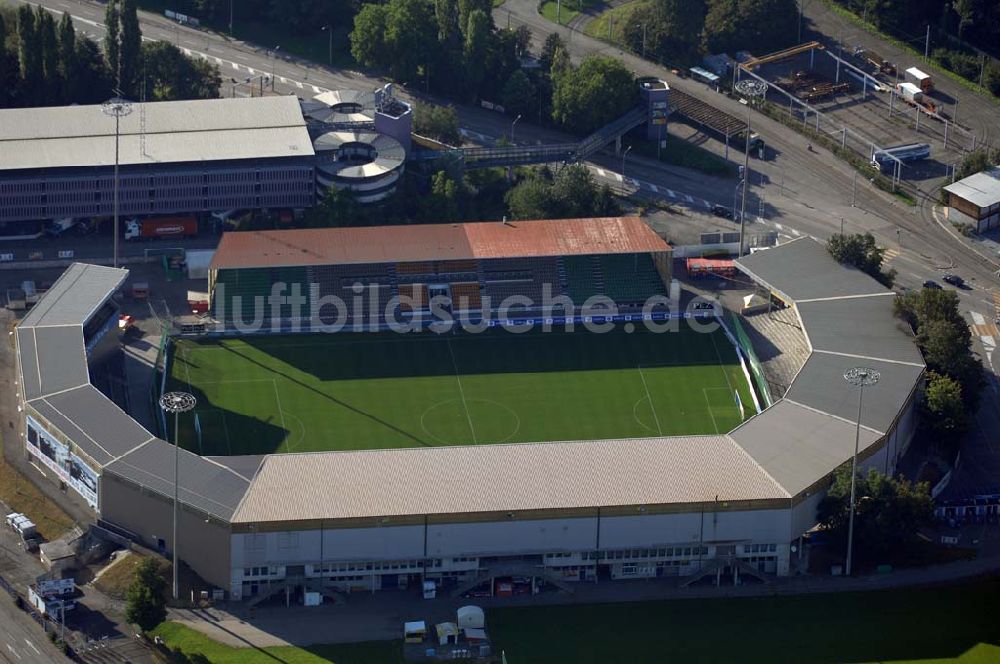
[175,157]
[975,200]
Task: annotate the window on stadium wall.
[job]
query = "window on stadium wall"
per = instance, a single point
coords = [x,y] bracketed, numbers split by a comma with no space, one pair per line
[60,459]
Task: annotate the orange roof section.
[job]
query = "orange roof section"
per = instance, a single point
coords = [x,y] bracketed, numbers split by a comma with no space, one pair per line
[407,244]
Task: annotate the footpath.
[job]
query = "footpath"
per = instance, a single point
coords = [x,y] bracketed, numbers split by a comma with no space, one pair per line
[379,616]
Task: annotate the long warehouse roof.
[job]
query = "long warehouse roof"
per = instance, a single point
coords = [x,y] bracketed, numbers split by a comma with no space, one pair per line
[154,133]
[391,244]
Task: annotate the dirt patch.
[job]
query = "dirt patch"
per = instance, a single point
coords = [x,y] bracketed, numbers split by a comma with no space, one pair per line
[22,496]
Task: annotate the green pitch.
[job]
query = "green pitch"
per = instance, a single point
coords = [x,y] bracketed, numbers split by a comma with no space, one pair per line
[301,393]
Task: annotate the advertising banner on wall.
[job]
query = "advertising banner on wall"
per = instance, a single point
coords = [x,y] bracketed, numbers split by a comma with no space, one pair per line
[59,459]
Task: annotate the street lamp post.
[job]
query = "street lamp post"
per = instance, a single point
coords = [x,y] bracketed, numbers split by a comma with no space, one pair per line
[230,19]
[329,29]
[176,403]
[117,108]
[860,377]
[274,57]
[624,154]
[512,125]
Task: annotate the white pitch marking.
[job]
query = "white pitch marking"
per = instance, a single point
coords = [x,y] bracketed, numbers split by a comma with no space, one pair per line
[977,318]
[648,396]
[298,84]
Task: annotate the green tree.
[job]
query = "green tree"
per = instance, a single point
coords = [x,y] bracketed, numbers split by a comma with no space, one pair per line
[943,409]
[337,209]
[131,47]
[520,96]
[69,64]
[860,251]
[522,38]
[477,35]
[437,122]
[587,97]
[577,194]
[8,78]
[410,34]
[145,603]
[368,45]
[94,79]
[531,199]
[112,47]
[171,75]
[552,44]
[54,87]
[446,13]
[30,57]
[731,25]
[887,517]
[444,203]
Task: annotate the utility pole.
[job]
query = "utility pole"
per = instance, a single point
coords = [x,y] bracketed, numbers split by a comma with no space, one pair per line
[927,42]
[230,19]
[854,191]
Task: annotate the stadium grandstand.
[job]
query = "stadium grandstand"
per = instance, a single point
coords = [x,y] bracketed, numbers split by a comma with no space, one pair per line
[391,273]
[727,505]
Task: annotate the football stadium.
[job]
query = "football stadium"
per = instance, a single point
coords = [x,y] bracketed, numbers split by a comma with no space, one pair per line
[382,407]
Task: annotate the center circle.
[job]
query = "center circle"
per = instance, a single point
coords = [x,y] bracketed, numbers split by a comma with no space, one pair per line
[448,422]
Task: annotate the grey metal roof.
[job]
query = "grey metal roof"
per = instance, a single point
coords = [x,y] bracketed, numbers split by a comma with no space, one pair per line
[821,385]
[797,446]
[245,466]
[76,294]
[175,131]
[65,424]
[981,189]
[204,484]
[99,419]
[803,270]
[864,326]
[61,358]
[31,375]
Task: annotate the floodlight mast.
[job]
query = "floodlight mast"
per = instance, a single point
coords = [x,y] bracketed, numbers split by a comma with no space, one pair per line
[116,107]
[860,377]
[176,403]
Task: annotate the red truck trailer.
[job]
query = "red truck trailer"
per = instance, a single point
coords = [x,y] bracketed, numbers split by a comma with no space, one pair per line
[162,227]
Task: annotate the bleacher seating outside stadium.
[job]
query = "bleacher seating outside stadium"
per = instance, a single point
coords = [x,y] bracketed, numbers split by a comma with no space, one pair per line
[627,279]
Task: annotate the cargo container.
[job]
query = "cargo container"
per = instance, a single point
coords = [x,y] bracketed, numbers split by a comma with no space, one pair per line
[165,227]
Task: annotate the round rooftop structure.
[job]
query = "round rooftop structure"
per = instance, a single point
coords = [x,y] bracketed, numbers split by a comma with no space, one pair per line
[342,107]
[364,162]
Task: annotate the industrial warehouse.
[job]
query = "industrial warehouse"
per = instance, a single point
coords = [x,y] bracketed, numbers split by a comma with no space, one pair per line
[723,504]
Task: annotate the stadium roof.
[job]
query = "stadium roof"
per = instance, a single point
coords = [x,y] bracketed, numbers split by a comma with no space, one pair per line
[802,270]
[403,244]
[75,296]
[204,484]
[175,131]
[981,189]
[449,480]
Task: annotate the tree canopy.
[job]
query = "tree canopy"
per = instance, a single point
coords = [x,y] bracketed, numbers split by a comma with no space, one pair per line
[860,251]
[145,602]
[570,192]
[887,516]
[587,97]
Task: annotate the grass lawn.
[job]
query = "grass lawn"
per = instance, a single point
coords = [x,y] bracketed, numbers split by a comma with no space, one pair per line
[570,9]
[616,17]
[366,391]
[190,642]
[118,576]
[954,624]
[18,493]
[679,152]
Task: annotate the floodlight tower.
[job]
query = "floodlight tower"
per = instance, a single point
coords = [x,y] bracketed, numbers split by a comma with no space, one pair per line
[176,403]
[117,107]
[860,377]
[751,89]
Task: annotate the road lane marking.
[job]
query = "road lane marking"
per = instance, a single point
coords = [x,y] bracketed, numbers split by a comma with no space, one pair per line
[32,646]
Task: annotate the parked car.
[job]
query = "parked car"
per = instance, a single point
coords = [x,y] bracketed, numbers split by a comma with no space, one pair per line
[722,211]
[931,284]
[954,280]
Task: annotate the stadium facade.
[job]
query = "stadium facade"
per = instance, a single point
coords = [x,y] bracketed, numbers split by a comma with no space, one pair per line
[566,511]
